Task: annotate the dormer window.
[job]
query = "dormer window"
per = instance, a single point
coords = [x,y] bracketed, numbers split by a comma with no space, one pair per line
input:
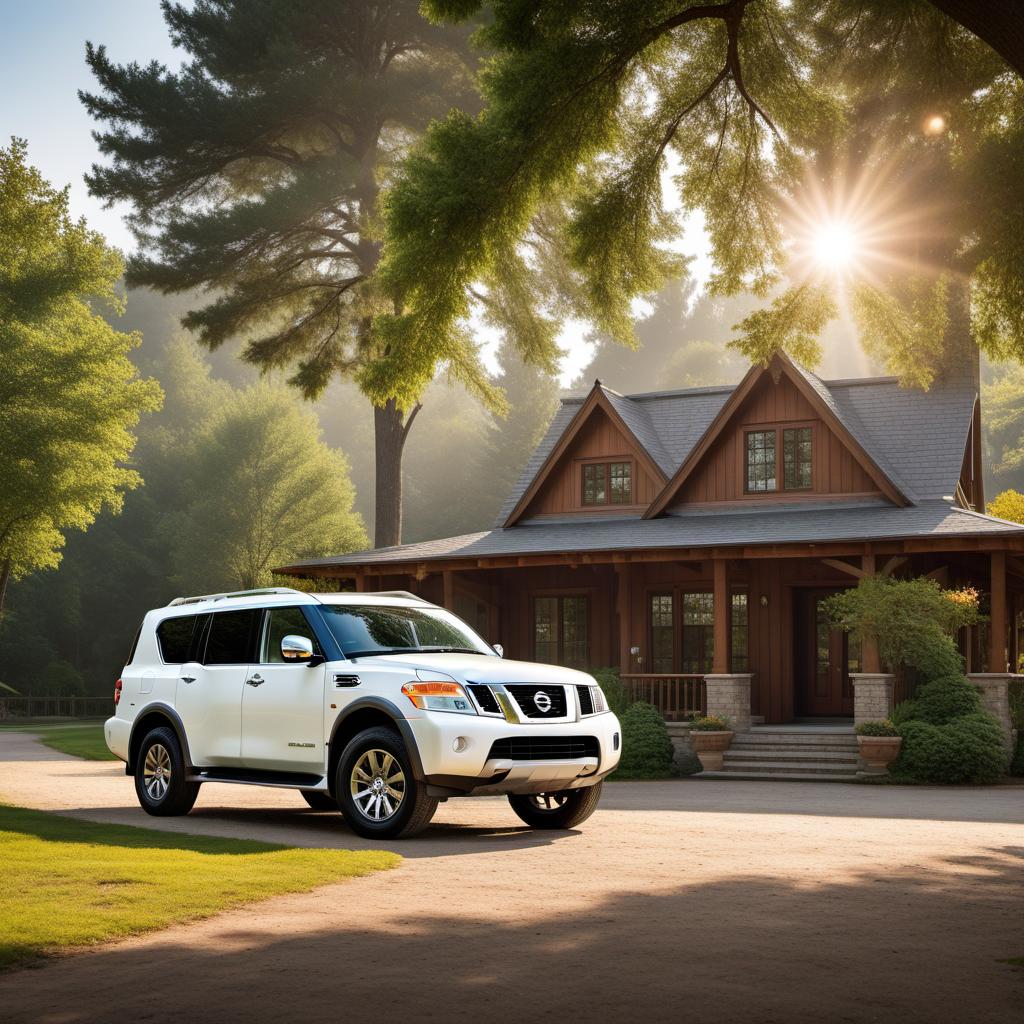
[763,447]
[607,483]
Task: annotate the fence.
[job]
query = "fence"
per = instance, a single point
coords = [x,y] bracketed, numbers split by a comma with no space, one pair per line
[56,707]
[675,696]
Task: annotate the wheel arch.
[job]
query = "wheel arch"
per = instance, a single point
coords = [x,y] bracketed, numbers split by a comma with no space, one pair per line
[366,713]
[152,717]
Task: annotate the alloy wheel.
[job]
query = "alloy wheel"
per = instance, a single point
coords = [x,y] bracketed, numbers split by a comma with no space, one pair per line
[378,785]
[156,772]
[549,801]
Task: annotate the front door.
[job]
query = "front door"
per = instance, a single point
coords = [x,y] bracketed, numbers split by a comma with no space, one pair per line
[283,703]
[823,660]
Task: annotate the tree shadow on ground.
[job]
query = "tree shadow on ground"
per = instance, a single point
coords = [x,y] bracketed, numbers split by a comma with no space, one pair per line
[915,945]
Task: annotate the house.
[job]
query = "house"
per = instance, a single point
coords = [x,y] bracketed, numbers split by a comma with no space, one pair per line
[689,537]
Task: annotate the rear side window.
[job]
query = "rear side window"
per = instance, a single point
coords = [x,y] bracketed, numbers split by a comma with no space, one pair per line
[175,638]
[230,638]
[135,646]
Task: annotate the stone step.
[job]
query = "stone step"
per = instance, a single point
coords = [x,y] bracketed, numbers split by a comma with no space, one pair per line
[781,739]
[789,754]
[838,748]
[803,767]
[787,776]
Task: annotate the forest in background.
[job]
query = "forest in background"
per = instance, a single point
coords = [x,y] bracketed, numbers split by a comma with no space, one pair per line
[67,632]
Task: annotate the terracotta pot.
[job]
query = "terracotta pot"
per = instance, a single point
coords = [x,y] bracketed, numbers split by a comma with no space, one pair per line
[709,747]
[878,752]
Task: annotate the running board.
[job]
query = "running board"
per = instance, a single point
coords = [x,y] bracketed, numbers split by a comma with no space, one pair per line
[253,777]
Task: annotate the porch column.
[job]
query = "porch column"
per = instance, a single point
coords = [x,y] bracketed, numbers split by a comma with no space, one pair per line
[995,698]
[872,696]
[624,608]
[728,693]
[448,589]
[997,625]
[870,661]
[720,660]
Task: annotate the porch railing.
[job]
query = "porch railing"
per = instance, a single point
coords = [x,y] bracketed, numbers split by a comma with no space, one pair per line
[55,707]
[675,696]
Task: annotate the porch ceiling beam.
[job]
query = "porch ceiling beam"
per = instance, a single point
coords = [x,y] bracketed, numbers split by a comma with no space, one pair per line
[892,565]
[837,563]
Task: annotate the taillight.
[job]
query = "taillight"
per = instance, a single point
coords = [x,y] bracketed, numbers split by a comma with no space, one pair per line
[117,692]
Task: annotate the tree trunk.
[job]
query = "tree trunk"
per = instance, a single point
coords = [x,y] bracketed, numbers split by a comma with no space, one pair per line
[1000,24]
[390,430]
[5,576]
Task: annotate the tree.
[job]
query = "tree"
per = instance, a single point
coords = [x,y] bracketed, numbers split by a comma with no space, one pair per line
[761,101]
[69,395]
[255,172]
[265,490]
[1007,505]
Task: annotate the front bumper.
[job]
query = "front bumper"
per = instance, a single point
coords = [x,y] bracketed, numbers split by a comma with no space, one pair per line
[472,769]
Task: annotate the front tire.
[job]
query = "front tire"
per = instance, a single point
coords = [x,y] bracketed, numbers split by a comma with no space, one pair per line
[160,772]
[377,792]
[319,800]
[565,809]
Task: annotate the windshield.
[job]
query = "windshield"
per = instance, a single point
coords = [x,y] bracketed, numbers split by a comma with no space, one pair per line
[368,629]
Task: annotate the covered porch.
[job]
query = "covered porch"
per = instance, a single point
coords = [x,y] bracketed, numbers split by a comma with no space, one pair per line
[735,631]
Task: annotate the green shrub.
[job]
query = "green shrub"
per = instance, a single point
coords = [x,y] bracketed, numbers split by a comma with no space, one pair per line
[944,699]
[614,690]
[967,749]
[646,747]
[1017,703]
[710,723]
[884,728]
[1017,764]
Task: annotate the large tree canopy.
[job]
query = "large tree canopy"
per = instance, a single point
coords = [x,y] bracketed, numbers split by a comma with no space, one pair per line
[254,173]
[778,116]
[69,395]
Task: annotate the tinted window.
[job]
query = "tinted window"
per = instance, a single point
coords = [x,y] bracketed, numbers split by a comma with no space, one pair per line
[135,646]
[175,637]
[280,623]
[230,638]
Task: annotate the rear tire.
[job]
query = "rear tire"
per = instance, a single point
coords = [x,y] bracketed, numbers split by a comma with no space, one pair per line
[319,800]
[377,792]
[160,775]
[565,809]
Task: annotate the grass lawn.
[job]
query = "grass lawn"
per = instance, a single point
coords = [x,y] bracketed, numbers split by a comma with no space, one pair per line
[67,883]
[83,739]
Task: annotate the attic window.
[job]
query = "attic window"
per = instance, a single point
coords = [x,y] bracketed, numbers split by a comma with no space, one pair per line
[763,448]
[607,483]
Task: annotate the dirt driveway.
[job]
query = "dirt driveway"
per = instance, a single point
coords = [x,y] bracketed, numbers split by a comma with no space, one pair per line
[701,900]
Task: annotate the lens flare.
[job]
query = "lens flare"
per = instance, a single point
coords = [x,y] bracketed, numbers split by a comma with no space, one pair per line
[835,245]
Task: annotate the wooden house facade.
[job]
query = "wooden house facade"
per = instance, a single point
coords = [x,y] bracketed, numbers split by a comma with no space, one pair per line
[690,538]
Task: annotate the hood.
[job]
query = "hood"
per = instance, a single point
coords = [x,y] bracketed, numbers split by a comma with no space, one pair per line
[478,668]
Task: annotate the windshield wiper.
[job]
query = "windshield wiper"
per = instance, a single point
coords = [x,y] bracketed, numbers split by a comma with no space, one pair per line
[448,650]
[413,650]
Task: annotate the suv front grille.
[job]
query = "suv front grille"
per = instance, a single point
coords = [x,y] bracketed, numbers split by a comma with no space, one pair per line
[485,698]
[539,700]
[586,700]
[545,748]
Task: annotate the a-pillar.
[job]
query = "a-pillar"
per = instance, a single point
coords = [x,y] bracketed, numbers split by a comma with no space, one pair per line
[728,693]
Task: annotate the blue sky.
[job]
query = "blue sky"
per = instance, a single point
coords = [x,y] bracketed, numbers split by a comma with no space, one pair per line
[42,67]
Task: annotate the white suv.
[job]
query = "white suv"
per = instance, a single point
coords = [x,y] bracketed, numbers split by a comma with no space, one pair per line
[380,704]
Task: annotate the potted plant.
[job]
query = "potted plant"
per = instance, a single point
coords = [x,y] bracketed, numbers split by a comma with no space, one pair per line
[879,745]
[710,736]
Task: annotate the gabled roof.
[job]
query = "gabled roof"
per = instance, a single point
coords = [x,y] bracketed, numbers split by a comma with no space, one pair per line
[917,438]
[631,420]
[819,398]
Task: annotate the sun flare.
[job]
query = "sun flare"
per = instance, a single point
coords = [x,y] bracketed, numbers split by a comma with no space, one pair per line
[835,245]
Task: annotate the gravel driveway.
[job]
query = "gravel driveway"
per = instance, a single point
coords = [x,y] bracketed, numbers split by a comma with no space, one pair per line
[704,900]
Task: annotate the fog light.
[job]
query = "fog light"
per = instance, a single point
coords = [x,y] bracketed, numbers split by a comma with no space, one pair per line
[460,744]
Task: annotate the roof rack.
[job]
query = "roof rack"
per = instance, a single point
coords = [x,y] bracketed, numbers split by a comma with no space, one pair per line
[396,593]
[234,593]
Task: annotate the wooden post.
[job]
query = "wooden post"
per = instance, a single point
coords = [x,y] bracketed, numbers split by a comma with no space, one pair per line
[448,600]
[624,610]
[720,660]
[870,660]
[997,626]
[360,582]
[1014,632]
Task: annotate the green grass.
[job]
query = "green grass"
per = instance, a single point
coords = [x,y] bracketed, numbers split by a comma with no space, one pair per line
[67,883]
[83,739]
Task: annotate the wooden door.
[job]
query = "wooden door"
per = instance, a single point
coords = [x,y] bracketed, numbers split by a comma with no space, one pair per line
[823,660]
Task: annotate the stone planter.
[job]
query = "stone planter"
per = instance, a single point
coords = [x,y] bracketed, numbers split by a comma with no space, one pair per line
[709,747]
[878,752]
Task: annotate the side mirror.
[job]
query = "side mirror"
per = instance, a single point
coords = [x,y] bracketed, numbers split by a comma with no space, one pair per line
[499,650]
[297,648]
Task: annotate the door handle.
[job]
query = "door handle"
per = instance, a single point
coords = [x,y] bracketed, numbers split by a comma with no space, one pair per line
[256,680]
[188,679]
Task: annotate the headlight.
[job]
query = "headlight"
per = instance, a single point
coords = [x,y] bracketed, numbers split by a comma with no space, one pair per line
[599,699]
[434,695]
